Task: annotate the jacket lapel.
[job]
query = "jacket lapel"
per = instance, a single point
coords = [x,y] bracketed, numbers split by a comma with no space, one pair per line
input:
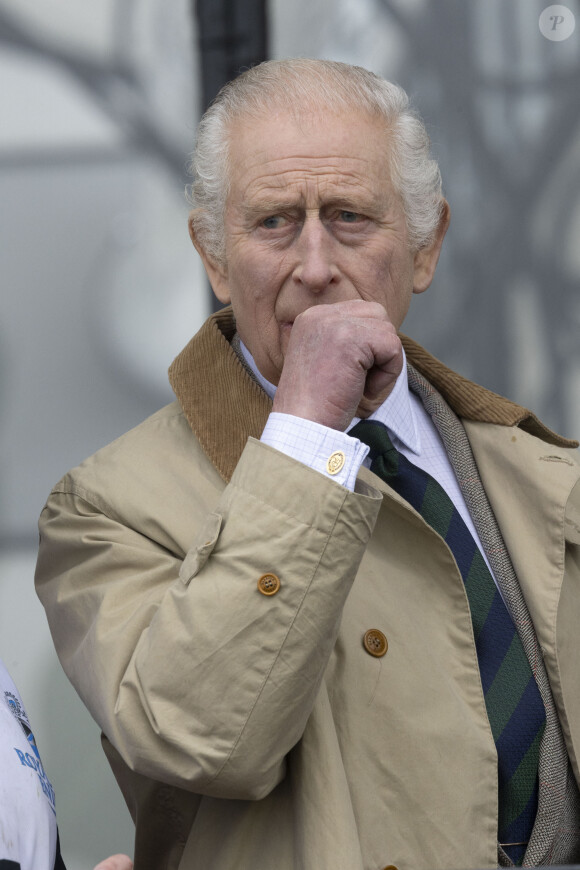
[223,405]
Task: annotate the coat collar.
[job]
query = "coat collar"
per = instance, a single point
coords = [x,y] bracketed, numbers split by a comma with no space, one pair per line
[224,405]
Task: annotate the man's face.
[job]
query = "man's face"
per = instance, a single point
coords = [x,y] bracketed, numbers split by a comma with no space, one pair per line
[311,218]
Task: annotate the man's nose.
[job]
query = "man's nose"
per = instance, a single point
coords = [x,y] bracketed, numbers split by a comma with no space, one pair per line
[315,248]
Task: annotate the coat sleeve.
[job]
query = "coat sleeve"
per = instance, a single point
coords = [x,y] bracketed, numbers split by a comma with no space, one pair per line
[197,678]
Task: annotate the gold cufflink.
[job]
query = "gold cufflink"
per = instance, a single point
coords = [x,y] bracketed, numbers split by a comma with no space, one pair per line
[335,462]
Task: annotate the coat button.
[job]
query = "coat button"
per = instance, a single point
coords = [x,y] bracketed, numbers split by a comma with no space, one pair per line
[335,462]
[268,584]
[375,642]
[390,867]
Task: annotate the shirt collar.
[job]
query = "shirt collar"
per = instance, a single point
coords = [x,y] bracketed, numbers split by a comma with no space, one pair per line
[268,388]
[396,413]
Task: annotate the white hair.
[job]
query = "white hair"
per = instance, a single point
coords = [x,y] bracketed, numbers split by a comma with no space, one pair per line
[316,85]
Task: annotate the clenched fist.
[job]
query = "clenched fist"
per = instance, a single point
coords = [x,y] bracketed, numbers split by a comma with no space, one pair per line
[342,361]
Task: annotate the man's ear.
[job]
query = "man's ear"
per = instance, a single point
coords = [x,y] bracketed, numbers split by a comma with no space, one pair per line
[427,257]
[216,272]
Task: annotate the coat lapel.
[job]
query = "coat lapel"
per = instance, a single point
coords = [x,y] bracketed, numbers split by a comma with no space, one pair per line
[223,405]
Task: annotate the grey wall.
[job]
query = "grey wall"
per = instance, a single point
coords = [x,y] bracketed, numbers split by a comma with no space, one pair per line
[101,288]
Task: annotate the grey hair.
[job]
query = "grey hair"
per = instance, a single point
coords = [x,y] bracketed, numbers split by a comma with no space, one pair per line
[300,83]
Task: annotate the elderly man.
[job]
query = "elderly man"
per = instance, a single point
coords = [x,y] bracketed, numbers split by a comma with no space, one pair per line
[324,606]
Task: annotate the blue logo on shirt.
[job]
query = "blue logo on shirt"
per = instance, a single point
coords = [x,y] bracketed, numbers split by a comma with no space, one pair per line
[30,759]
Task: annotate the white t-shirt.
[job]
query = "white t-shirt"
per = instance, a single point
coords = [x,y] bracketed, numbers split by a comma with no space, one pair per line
[28,834]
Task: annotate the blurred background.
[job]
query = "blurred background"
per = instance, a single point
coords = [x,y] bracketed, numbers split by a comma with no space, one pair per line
[101,288]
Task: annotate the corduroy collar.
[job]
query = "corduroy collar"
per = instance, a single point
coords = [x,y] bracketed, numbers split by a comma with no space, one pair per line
[224,405]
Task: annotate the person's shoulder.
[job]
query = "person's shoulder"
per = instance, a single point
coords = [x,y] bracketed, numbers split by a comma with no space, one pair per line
[159,453]
[473,403]
[166,426]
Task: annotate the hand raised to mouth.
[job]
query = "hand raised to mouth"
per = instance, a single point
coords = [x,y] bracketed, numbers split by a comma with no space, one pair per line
[342,361]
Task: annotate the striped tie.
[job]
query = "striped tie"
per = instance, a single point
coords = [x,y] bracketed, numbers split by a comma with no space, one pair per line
[514,706]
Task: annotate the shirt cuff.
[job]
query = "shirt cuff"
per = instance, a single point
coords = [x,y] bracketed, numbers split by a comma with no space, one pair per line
[335,454]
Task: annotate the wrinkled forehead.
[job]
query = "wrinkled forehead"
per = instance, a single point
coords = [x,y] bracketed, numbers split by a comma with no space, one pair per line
[308,161]
[323,130]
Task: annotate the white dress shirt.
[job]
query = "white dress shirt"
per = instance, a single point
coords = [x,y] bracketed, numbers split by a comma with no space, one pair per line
[410,428]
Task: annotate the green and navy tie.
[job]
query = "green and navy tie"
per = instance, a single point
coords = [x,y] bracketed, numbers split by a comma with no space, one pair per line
[514,705]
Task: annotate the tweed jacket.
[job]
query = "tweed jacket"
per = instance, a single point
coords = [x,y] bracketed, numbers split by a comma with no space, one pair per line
[251,731]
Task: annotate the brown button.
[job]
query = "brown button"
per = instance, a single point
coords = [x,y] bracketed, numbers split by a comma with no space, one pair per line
[375,642]
[390,867]
[268,584]
[335,462]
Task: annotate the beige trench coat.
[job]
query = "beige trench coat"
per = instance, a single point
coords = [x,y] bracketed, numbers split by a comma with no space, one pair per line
[250,731]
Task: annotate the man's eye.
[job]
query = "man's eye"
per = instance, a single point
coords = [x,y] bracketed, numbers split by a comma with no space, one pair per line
[273,222]
[349,217]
